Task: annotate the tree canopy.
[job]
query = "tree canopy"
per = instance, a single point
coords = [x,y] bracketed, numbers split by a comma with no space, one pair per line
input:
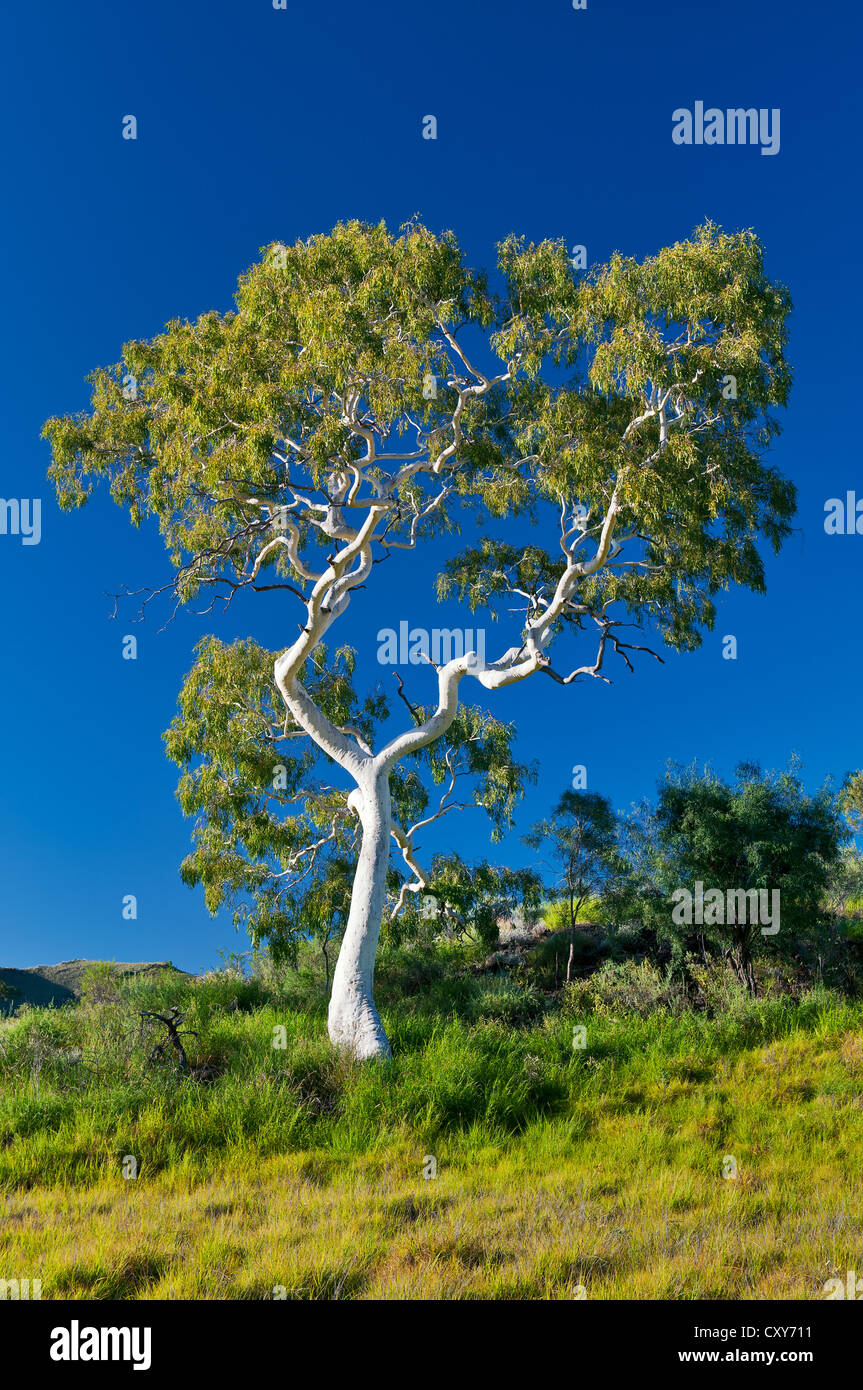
[582,838]
[369,390]
[759,853]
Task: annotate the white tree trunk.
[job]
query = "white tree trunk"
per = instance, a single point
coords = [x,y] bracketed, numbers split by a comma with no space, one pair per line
[354,1023]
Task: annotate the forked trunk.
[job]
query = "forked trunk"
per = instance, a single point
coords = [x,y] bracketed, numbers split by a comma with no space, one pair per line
[354,1023]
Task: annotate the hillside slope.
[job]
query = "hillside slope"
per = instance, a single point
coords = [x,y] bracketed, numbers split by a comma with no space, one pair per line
[46,986]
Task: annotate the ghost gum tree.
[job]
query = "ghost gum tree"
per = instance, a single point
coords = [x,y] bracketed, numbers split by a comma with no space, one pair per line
[369,390]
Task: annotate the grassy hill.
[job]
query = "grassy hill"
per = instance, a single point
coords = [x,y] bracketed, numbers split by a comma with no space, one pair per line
[682,1152]
[46,986]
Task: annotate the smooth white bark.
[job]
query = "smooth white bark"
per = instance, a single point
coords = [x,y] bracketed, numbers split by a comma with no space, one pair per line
[354,1022]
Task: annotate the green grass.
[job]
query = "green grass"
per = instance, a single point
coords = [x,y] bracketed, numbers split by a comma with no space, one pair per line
[560,1171]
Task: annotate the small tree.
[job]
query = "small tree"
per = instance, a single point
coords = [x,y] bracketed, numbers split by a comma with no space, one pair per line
[761,834]
[471,899]
[100,983]
[582,840]
[370,390]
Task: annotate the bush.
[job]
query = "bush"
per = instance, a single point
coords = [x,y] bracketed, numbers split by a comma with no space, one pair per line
[100,983]
[624,987]
[719,991]
[548,959]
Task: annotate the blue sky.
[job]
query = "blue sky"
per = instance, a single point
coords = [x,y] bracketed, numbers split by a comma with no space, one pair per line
[257,124]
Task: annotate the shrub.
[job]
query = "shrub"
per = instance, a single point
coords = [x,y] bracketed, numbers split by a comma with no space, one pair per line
[624,987]
[720,991]
[100,983]
[548,960]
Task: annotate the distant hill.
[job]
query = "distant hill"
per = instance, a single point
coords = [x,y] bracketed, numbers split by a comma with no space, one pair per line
[44,985]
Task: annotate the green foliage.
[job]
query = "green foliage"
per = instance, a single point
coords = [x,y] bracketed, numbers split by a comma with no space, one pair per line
[99,983]
[579,952]
[510,1003]
[272,838]
[844,892]
[478,1061]
[244,434]
[852,800]
[470,900]
[582,840]
[243,783]
[556,913]
[581,836]
[674,327]
[621,989]
[214,401]
[763,831]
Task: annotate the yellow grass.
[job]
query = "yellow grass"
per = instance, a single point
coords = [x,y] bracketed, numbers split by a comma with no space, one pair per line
[625,1198]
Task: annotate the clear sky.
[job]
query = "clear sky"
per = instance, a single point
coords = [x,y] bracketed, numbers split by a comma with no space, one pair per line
[257,124]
